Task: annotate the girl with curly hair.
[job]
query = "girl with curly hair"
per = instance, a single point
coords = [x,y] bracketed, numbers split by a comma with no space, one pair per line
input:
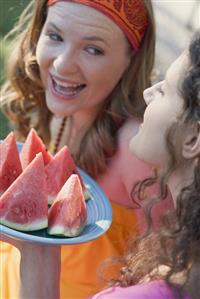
[166,264]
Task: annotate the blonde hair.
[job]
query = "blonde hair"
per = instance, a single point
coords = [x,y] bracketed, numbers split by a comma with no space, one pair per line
[24,99]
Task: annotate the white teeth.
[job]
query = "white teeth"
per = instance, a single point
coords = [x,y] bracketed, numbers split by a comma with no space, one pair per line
[67,85]
[67,89]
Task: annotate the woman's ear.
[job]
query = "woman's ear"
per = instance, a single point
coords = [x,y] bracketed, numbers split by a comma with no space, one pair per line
[191,142]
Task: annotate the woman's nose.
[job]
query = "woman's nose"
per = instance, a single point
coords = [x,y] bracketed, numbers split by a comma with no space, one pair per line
[147,94]
[66,62]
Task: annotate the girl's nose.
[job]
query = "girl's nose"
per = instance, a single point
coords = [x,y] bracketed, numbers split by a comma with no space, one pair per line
[147,94]
[66,63]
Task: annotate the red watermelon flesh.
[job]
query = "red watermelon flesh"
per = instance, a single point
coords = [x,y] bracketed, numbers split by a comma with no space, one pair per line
[32,146]
[58,171]
[10,165]
[24,205]
[68,213]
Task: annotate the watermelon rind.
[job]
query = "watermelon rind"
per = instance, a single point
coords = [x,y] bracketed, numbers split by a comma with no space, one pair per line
[32,226]
[60,231]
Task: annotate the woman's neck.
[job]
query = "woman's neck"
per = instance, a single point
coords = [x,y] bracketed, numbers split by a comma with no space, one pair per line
[77,125]
[81,122]
[70,130]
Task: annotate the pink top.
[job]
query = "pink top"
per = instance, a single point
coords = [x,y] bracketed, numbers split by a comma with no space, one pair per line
[152,290]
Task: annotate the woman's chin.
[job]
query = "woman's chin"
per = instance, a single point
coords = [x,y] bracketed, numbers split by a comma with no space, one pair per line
[56,110]
[139,151]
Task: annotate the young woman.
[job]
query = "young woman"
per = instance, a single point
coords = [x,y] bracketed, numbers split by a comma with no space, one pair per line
[76,75]
[169,139]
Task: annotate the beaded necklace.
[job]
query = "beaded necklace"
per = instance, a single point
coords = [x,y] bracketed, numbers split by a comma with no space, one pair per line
[59,136]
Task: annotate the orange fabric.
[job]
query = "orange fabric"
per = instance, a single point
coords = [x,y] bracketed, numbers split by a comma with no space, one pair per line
[79,278]
[130,16]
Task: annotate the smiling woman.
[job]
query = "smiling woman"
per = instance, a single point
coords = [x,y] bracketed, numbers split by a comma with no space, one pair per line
[76,56]
[76,75]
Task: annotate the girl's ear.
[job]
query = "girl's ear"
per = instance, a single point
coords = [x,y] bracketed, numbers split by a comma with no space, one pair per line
[191,142]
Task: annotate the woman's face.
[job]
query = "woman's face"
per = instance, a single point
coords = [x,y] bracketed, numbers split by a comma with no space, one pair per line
[164,106]
[82,55]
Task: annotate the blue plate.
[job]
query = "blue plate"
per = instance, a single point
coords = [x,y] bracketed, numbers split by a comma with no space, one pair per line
[98,221]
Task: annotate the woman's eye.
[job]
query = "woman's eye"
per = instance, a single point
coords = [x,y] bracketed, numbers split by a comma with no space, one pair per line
[94,51]
[55,37]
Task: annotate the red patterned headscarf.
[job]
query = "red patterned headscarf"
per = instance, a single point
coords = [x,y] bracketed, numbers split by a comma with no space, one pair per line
[130,15]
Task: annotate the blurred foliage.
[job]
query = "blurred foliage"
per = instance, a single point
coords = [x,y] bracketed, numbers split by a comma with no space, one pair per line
[3,55]
[10,11]
[4,125]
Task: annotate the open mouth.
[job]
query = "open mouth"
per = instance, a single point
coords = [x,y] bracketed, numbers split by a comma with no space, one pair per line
[67,89]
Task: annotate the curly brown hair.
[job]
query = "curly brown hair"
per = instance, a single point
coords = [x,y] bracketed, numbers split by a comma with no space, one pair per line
[175,248]
[23,99]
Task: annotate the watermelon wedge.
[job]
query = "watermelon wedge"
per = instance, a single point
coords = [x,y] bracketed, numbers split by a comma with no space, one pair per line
[24,205]
[10,165]
[68,213]
[85,188]
[58,171]
[32,146]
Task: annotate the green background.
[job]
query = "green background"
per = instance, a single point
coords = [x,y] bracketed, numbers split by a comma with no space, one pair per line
[9,13]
